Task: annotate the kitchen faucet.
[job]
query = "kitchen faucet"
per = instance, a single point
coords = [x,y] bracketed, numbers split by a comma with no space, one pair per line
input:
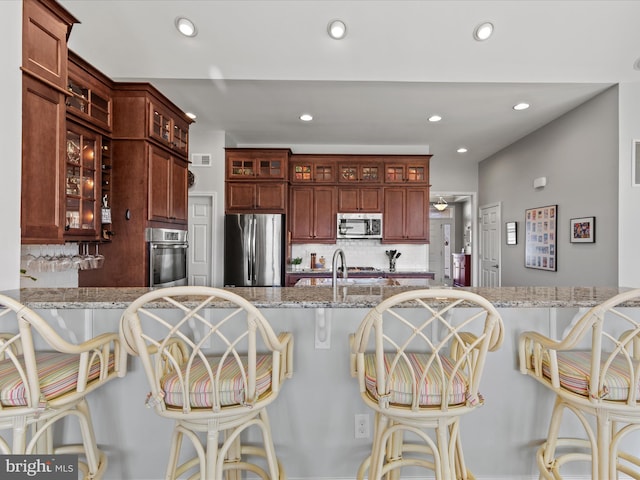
[334,266]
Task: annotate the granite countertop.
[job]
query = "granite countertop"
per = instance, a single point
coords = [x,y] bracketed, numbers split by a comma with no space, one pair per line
[315,297]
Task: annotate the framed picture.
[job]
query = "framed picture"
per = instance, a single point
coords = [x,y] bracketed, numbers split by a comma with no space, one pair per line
[540,238]
[512,233]
[583,230]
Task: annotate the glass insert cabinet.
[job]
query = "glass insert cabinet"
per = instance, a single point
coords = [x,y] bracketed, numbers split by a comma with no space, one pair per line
[81,181]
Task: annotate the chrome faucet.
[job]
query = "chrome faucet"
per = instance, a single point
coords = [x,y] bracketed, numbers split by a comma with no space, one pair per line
[334,266]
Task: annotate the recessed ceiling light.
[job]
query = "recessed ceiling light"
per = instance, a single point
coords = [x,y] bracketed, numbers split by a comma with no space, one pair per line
[192,116]
[483,31]
[305,117]
[186,27]
[462,150]
[435,118]
[521,106]
[637,64]
[337,29]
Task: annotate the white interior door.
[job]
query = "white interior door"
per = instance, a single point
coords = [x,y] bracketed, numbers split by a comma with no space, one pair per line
[490,246]
[440,237]
[201,208]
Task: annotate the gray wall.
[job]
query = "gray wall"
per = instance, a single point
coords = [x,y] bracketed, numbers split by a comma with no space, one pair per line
[578,154]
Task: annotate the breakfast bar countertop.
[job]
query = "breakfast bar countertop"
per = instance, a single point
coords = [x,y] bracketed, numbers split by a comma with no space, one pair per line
[318,297]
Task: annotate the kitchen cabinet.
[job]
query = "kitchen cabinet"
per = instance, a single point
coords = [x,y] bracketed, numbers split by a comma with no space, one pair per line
[256,180]
[406,215]
[251,164]
[414,170]
[44,90]
[356,199]
[168,128]
[43,153]
[148,123]
[266,197]
[89,100]
[167,187]
[144,113]
[365,172]
[147,183]
[312,169]
[46,26]
[312,214]
[461,270]
[82,183]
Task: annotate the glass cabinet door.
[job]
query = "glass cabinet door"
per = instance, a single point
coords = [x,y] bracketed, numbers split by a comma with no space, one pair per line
[81,181]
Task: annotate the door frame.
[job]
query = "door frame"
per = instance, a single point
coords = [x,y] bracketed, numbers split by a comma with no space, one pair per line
[214,239]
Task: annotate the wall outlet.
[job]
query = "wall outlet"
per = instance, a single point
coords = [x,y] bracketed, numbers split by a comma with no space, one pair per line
[362,425]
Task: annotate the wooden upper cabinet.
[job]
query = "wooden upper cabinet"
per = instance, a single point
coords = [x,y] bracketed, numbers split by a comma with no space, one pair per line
[89,98]
[248,164]
[168,128]
[256,180]
[413,170]
[265,197]
[43,152]
[406,215]
[142,112]
[358,200]
[312,169]
[167,187]
[361,172]
[82,181]
[45,28]
[312,214]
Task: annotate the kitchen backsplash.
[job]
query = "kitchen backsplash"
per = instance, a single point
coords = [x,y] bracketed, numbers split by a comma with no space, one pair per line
[366,253]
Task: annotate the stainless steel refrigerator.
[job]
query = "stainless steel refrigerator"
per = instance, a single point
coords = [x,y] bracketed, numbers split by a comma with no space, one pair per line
[254,250]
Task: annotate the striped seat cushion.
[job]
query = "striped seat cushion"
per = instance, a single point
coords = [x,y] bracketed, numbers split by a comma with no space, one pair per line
[58,374]
[231,389]
[401,386]
[574,371]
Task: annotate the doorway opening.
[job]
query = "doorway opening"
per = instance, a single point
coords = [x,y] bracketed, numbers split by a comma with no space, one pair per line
[451,231]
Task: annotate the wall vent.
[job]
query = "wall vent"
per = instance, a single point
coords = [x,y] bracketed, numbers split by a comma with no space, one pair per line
[201,159]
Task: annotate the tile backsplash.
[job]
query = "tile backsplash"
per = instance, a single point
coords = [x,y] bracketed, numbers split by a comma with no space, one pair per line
[366,253]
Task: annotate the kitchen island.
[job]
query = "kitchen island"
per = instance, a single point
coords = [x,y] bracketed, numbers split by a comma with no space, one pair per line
[313,418]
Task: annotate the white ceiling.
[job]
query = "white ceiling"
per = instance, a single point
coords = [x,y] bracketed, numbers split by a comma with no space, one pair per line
[256,65]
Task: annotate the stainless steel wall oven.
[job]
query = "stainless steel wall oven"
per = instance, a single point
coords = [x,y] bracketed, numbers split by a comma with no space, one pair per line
[167,257]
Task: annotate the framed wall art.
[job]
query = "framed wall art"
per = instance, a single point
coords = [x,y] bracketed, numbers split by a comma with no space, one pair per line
[583,230]
[512,233]
[540,238]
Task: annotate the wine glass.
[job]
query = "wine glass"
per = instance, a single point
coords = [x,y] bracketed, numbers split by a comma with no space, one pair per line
[98,259]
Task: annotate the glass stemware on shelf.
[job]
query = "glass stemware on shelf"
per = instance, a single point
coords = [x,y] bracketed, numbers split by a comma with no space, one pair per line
[60,258]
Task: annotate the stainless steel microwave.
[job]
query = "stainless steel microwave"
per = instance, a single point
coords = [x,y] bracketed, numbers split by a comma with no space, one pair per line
[359,225]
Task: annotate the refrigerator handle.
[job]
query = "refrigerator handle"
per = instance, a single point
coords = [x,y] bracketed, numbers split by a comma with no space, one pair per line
[252,253]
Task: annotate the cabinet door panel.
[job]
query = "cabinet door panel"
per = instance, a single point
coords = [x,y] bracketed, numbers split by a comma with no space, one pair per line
[417,214]
[348,200]
[370,200]
[271,196]
[393,218]
[43,120]
[301,214]
[159,178]
[324,214]
[179,172]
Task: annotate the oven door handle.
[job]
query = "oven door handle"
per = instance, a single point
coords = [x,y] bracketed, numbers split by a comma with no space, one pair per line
[181,245]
